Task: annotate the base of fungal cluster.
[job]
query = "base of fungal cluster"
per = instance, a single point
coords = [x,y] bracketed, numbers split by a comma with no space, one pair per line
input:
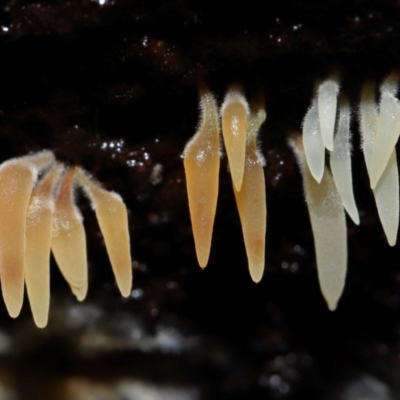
[323,152]
[39,216]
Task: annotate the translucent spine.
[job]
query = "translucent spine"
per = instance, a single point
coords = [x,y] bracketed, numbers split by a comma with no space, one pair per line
[329,228]
[340,161]
[68,238]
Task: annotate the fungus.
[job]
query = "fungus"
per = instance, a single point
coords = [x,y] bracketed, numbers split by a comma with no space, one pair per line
[313,144]
[201,162]
[251,198]
[327,103]
[386,192]
[328,225]
[387,130]
[112,216]
[39,221]
[234,114]
[17,178]
[340,161]
[35,219]
[68,243]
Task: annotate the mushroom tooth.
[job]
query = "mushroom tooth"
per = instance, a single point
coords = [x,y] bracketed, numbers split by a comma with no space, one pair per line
[386,192]
[313,144]
[17,178]
[112,216]
[329,228]
[327,103]
[251,203]
[387,134]
[68,242]
[38,244]
[340,162]
[201,162]
[234,114]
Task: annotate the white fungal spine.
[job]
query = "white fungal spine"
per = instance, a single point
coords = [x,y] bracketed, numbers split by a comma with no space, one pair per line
[340,161]
[329,228]
[327,103]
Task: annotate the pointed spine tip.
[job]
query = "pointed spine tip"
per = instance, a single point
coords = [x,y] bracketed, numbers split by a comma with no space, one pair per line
[373,182]
[202,265]
[332,307]
[125,290]
[256,278]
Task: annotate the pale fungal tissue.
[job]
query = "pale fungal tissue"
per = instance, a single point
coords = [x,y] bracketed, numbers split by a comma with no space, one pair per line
[240,126]
[328,188]
[39,216]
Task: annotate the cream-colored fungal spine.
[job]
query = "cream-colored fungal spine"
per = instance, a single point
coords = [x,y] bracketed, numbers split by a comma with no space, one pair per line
[328,225]
[380,129]
[201,161]
[326,127]
[313,144]
[40,215]
[386,191]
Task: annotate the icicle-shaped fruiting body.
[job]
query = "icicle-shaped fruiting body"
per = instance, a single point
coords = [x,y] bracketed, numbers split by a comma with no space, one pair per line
[312,142]
[329,228]
[234,114]
[386,192]
[327,103]
[68,238]
[340,161]
[387,134]
[17,178]
[201,162]
[112,216]
[251,199]
[38,244]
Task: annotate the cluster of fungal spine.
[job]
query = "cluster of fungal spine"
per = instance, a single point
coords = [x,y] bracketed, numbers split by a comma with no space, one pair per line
[240,126]
[39,216]
[328,190]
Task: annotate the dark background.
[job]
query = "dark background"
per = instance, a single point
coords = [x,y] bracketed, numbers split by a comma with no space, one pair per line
[112,86]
